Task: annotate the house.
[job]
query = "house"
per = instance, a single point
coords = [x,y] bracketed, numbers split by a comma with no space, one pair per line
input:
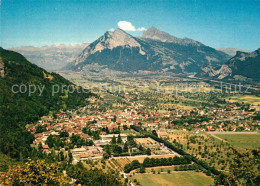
[162,134]
[198,130]
[45,148]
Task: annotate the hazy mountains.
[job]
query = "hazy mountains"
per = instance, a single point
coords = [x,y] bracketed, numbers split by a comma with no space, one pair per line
[154,51]
[242,66]
[232,51]
[51,57]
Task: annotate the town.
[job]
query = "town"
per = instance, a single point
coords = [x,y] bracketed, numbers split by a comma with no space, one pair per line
[108,127]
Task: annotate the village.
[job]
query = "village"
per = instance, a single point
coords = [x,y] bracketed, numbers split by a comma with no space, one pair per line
[95,127]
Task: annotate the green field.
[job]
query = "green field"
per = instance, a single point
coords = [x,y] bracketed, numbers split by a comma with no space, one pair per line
[251,99]
[245,141]
[174,178]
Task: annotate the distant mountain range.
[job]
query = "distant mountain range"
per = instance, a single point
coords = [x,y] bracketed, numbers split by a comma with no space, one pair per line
[51,57]
[155,50]
[242,66]
[231,51]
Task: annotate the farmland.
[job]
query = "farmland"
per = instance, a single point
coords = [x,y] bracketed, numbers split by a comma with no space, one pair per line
[245,141]
[205,147]
[174,178]
[251,99]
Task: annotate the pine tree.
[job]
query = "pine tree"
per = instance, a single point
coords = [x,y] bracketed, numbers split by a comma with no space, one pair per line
[113,140]
[119,139]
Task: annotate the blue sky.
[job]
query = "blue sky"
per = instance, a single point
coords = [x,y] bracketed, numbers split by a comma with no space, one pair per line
[216,23]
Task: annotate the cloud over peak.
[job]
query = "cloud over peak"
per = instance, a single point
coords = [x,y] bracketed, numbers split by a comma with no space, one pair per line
[128,26]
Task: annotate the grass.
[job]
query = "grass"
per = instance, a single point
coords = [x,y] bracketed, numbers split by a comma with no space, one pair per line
[245,141]
[174,178]
[254,100]
[128,132]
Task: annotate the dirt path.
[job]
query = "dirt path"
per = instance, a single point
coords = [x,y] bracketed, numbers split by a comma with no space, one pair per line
[213,135]
[231,132]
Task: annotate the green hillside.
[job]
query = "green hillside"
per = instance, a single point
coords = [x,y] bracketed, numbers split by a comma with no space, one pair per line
[18,109]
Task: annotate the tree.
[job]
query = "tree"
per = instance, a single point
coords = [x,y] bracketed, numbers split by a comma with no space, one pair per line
[40,129]
[34,173]
[64,134]
[113,141]
[119,140]
[70,157]
[117,149]
[142,169]
[106,156]
[155,133]
[125,149]
[148,151]
[85,176]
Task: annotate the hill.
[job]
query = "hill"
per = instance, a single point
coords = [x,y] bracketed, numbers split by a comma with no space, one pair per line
[243,65]
[19,108]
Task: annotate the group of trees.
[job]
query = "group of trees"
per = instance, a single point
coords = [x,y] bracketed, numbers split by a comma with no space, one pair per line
[76,140]
[116,149]
[244,169]
[58,141]
[85,176]
[41,128]
[94,134]
[34,172]
[154,162]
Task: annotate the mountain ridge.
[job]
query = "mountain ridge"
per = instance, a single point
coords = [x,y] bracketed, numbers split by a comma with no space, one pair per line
[121,51]
[242,66]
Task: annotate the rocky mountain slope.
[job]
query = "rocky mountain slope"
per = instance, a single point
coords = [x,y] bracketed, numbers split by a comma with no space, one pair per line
[242,66]
[154,51]
[51,57]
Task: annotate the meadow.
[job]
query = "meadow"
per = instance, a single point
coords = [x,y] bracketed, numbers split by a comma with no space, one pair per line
[251,99]
[174,178]
[245,141]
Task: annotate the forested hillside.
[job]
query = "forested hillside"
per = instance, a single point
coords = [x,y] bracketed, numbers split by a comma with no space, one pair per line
[21,108]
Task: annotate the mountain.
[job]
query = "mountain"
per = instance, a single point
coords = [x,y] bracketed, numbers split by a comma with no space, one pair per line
[154,51]
[155,34]
[242,66]
[51,57]
[231,51]
[18,108]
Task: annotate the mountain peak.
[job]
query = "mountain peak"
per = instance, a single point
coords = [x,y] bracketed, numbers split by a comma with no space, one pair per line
[114,39]
[110,40]
[156,34]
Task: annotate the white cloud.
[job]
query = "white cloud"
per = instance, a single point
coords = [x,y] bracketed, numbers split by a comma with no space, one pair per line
[111,30]
[128,26]
[141,29]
